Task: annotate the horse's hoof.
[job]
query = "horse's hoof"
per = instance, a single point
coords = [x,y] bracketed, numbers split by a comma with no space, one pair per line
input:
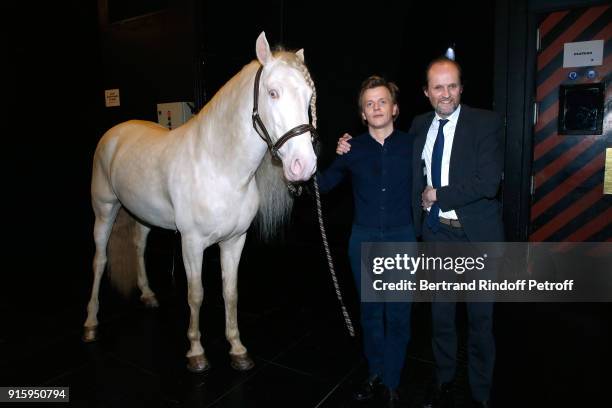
[90,334]
[242,362]
[150,301]
[197,364]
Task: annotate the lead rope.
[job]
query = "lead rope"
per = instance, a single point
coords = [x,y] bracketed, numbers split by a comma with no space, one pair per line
[330,262]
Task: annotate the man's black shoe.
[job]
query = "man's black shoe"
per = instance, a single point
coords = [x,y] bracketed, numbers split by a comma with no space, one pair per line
[440,396]
[367,388]
[390,398]
[481,404]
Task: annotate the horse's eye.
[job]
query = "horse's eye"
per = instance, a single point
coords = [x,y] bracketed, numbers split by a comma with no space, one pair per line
[273,93]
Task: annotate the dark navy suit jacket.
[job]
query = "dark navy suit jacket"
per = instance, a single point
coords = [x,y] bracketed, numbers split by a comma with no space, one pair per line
[475,172]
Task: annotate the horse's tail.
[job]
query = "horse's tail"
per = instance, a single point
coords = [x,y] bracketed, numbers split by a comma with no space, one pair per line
[275,202]
[122,253]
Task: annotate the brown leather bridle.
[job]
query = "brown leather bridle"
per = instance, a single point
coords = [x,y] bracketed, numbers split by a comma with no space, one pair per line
[261,130]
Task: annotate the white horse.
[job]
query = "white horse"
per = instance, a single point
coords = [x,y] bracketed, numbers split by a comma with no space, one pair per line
[207,179]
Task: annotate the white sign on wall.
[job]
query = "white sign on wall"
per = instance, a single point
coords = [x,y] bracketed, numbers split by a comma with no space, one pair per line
[583,54]
[111,97]
[173,114]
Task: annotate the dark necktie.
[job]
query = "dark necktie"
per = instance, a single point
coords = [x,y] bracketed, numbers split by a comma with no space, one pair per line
[433,219]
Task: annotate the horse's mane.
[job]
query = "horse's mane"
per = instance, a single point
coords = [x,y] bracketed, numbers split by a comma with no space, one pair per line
[275,202]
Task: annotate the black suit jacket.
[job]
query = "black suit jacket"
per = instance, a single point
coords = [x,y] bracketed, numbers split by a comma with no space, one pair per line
[475,172]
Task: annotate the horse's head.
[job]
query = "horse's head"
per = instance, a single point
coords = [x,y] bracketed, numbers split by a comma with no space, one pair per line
[284,96]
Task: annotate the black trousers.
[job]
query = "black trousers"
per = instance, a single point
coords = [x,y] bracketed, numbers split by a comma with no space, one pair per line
[385,325]
[481,344]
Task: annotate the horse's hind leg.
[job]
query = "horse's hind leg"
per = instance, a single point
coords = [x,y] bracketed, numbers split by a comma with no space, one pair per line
[140,240]
[230,258]
[105,217]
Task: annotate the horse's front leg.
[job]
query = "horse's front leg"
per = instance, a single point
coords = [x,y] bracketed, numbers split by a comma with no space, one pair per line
[193,250]
[230,257]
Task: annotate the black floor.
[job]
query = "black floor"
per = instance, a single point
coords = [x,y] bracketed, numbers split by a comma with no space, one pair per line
[548,355]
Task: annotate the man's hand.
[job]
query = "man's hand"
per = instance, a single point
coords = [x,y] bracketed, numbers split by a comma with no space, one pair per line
[428,197]
[343,145]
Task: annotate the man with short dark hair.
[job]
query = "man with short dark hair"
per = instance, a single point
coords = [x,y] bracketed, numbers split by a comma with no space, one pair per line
[379,167]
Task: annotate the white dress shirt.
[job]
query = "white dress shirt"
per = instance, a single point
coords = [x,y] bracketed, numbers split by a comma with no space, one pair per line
[449,136]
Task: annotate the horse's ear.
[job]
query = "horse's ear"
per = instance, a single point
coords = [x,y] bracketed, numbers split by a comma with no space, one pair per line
[262,48]
[300,54]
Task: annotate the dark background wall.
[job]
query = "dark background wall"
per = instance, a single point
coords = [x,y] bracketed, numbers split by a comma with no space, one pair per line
[54,78]
[148,52]
[62,56]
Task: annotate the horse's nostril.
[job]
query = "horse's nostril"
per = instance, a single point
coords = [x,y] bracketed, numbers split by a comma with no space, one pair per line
[297,167]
